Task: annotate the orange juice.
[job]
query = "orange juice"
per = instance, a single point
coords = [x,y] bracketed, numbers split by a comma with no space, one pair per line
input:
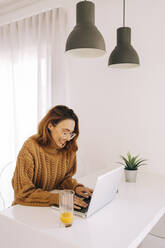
[66,218]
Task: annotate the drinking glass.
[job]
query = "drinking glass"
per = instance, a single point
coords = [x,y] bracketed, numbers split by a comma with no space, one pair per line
[66,204]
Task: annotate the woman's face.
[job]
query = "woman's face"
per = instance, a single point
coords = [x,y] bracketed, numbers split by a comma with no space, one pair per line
[62,132]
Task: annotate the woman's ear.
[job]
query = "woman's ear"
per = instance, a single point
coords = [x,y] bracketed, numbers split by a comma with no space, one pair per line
[50,126]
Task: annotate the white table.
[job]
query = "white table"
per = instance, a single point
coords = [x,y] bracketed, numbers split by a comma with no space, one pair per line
[122,224]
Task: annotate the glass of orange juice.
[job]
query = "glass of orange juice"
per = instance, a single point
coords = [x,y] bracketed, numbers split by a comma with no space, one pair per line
[66,204]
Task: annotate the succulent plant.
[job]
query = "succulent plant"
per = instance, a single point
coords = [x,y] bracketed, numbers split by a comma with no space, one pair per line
[132,163]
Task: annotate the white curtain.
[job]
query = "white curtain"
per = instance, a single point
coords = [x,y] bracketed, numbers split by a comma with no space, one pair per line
[32,77]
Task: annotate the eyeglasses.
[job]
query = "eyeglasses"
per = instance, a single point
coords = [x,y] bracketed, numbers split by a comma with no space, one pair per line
[66,135]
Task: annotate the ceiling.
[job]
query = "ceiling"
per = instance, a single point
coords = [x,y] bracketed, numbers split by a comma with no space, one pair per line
[11,5]
[8,7]
[5,3]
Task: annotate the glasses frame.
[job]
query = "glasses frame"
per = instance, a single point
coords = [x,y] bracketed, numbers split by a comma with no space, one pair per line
[65,135]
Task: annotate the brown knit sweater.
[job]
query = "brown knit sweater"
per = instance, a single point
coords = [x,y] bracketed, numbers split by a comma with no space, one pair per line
[41,169]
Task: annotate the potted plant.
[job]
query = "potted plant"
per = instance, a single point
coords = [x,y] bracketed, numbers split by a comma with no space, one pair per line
[131,165]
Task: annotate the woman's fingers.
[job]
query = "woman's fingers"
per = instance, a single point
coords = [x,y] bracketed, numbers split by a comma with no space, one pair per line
[77,207]
[84,191]
[79,202]
[85,194]
[91,190]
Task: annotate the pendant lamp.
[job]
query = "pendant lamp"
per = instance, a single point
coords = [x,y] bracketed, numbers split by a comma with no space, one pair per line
[124,55]
[85,40]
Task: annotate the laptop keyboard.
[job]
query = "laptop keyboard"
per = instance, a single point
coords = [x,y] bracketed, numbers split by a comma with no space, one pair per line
[87,200]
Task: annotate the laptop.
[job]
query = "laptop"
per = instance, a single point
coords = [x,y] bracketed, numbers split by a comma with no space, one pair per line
[104,192]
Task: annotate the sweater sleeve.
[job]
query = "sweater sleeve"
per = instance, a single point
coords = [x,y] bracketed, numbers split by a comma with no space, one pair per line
[25,192]
[68,182]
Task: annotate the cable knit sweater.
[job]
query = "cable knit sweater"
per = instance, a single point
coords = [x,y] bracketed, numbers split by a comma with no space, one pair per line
[41,169]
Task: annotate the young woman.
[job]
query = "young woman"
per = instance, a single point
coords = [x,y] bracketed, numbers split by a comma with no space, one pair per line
[47,161]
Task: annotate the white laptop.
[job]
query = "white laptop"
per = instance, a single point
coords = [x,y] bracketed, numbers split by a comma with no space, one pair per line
[104,192]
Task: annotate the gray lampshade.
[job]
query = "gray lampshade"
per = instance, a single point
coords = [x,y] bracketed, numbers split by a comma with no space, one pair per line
[124,55]
[85,40]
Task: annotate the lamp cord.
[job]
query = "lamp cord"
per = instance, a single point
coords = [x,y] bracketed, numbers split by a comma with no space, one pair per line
[123,13]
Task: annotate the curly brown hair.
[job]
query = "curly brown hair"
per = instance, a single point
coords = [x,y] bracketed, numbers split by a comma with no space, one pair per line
[54,116]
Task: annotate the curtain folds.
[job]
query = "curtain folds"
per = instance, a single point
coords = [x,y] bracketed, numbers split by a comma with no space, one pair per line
[32,76]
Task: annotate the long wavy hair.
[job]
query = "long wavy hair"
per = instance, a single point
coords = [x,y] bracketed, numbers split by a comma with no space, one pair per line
[54,116]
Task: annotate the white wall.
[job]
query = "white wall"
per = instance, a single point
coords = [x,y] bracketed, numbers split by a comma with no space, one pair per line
[122,110]
[119,110]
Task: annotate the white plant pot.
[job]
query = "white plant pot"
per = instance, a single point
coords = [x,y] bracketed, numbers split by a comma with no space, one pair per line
[130,175]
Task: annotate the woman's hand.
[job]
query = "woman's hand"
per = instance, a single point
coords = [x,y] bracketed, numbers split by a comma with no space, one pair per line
[83,191]
[78,203]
